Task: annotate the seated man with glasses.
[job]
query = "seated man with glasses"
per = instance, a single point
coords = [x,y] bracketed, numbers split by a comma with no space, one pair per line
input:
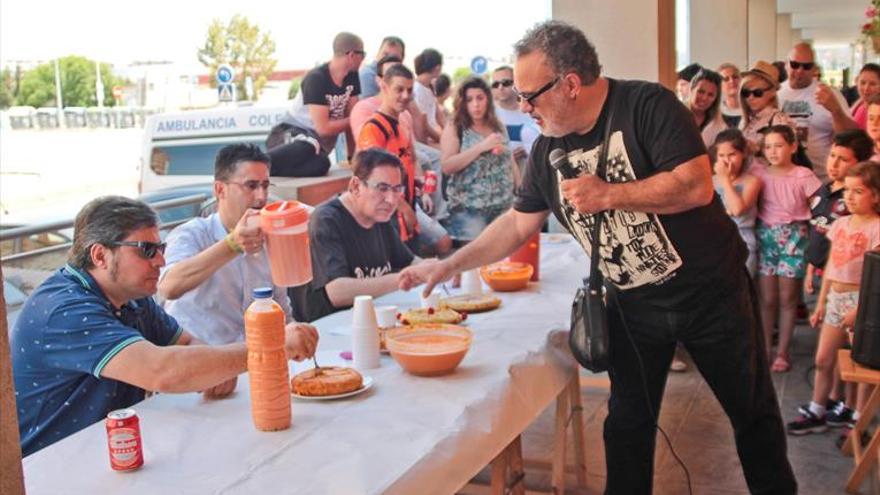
[356,249]
[521,129]
[214,263]
[90,339]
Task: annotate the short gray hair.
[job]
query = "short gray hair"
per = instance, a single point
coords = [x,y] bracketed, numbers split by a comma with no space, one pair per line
[566,47]
[106,220]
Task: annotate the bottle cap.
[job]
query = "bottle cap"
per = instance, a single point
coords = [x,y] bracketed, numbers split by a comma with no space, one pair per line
[263,293]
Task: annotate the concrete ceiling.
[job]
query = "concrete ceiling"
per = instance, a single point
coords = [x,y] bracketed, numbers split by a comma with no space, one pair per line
[826,22]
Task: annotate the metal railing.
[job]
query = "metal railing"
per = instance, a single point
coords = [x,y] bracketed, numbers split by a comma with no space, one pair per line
[18,234]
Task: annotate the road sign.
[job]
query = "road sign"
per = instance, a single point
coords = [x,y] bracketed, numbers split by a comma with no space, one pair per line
[225,73]
[479,64]
[226,92]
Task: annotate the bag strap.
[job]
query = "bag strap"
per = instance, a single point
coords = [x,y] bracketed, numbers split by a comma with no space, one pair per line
[596,278]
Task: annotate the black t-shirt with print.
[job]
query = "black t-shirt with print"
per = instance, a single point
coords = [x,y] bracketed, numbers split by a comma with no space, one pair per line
[318,88]
[667,261]
[825,207]
[342,248]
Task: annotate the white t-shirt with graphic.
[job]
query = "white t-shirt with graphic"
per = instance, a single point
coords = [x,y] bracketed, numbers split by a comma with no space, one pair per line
[802,107]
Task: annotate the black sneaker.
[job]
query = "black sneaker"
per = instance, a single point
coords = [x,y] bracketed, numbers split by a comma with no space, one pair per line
[830,405]
[807,423]
[839,415]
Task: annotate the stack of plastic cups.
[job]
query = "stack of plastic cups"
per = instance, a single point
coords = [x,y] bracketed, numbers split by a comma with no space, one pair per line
[364,334]
[386,316]
[471,283]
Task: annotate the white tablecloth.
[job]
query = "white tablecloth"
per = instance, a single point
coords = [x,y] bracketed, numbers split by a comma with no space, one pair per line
[405,435]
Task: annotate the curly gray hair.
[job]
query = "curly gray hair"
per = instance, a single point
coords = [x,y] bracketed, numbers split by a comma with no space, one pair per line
[566,47]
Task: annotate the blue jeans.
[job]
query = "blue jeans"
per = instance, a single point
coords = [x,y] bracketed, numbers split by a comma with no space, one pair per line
[722,333]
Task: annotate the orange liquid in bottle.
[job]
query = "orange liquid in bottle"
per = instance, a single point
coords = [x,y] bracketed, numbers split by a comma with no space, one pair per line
[267,363]
[530,252]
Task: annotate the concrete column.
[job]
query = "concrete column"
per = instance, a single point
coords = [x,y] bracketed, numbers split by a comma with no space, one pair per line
[784,40]
[762,30]
[624,33]
[717,32]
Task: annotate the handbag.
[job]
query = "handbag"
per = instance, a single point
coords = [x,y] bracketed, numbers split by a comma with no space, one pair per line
[588,337]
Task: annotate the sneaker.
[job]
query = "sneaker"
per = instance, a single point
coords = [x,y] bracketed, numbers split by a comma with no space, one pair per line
[807,423]
[841,439]
[839,415]
[829,406]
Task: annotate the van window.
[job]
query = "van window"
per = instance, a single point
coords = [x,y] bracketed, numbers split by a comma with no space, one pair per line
[190,159]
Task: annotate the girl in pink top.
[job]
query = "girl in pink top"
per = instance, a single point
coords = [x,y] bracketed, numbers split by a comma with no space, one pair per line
[851,236]
[783,213]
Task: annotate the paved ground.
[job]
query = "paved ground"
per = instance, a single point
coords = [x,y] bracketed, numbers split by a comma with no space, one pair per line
[703,438]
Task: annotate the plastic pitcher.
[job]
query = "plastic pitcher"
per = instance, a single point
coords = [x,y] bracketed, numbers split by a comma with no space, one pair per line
[286,226]
[530,252]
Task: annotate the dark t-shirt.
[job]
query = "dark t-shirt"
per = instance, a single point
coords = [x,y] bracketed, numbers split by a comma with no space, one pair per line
[825,207]
[667,261]
[318,88]
[342,248]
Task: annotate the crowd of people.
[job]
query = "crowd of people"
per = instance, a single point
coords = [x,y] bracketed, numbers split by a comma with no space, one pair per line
[789,159]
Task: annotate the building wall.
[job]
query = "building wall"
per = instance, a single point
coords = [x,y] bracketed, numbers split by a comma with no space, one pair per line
[717,33]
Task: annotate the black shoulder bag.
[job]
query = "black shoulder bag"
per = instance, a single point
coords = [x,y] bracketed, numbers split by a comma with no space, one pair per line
[588,337]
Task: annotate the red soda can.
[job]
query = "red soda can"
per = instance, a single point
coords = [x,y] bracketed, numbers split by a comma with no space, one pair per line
[124,440]
[430,181]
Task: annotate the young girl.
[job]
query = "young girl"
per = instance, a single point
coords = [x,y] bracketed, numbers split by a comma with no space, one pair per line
[737,188]
[851,236]
[783,213]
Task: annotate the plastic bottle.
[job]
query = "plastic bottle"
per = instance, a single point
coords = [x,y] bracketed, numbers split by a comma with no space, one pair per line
[267,362]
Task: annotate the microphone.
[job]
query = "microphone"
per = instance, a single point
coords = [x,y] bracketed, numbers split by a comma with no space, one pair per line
[559,161]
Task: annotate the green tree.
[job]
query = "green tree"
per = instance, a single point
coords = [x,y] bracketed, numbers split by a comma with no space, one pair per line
[294,88]
[241,45]
[77,84]
[7,88]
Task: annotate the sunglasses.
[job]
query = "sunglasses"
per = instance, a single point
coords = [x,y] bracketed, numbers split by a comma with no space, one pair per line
[757,93]
[385,188]
[146,249]
[801,65]
[503,82]
[253,185]
[530,97]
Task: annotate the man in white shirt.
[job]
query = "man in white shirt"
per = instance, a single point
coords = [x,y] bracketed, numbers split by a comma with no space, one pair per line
[428,65]
[521,129]
[214,263]
[819,110]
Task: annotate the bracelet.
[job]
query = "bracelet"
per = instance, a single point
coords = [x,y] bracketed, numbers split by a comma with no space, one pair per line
[230,242]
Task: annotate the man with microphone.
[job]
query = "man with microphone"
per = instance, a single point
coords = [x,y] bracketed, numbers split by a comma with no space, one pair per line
[671,258]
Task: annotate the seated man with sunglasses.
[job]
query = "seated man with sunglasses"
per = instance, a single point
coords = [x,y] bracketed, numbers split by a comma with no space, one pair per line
[214,263]
[819,110]
[521,129]
[356,249]
[90,339]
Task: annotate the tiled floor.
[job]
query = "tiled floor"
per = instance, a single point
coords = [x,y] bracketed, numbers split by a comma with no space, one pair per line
[703,438]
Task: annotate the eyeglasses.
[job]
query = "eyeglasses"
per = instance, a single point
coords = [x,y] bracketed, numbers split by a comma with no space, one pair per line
[757,93]
[385,188]
[146,249]
[503,82]
[358,52]
[253,185]
[530,97]
[801,65]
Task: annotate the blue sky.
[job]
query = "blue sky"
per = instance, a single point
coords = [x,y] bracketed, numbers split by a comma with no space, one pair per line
[120,32]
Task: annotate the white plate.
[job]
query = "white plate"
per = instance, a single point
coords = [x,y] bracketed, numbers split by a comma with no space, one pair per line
[368,382]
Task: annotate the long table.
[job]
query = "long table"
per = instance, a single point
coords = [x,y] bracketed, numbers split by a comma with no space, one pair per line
[405,435]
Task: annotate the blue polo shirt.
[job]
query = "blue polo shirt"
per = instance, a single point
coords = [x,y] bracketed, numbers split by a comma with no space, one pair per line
[65,334]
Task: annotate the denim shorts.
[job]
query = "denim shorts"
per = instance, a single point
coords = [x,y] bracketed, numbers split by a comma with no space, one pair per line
[466,224]
[430,230]
[781,249]
[837,305]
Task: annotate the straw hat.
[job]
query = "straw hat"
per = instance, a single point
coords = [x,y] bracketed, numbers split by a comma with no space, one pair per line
[766,71]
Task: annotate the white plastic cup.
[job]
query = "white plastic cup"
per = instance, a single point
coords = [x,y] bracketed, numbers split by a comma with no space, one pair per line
[471,283]
[432,301]
[386,316]
[364,334]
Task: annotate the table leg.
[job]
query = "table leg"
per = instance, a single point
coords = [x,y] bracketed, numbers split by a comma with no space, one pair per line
[557,478]
[499,470]
[577,430]
[515,464]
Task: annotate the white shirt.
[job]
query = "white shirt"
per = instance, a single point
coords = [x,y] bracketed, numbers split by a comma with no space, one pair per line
[426,101]
[802,107]
[214,311]
[528,129]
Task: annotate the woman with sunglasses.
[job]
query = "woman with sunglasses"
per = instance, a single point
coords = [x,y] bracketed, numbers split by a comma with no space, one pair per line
[867,84]
[760,107]
[477,162]
[704,101]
